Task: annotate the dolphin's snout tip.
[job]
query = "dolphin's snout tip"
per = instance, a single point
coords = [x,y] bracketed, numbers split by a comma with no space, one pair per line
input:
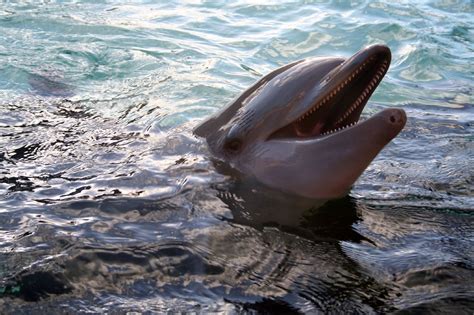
[379,48]
[394,120]
[379,51]
[397,117]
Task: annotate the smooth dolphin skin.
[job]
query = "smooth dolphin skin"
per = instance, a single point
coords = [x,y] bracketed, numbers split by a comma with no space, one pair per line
[297,129]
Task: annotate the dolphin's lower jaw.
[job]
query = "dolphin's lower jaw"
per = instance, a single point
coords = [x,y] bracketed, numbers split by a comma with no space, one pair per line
[297,129]
[324,167]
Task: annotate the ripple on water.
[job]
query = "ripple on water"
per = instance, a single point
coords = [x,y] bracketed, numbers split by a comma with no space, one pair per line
[107,202]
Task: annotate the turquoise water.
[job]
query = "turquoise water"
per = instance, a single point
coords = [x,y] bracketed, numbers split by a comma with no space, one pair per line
[107,202]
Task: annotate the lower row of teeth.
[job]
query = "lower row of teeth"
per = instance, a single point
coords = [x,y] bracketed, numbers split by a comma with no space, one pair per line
[339,129]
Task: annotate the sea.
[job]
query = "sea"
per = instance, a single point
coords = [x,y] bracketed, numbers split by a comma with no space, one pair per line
[110,204]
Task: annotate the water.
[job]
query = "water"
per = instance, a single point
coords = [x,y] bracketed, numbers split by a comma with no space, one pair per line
[108,203]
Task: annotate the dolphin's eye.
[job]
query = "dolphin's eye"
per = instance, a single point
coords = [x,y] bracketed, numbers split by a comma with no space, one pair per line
[233,145]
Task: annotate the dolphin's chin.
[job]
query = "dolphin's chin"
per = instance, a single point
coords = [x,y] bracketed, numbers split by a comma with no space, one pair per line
[340,106]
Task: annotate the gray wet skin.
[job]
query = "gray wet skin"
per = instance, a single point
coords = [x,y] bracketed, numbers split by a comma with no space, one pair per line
[297,129]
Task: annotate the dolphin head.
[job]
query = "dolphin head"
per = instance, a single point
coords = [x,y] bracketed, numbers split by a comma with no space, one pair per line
[297,129]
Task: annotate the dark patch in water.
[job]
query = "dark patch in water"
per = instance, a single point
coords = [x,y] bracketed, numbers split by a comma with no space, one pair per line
[35,286]
[21,183]
[45,86]
[267,306]
[26,152]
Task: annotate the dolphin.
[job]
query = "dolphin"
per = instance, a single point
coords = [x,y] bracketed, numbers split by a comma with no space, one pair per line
[297,129]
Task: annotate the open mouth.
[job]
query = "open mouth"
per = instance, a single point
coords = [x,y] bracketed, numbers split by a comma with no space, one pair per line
[342,105]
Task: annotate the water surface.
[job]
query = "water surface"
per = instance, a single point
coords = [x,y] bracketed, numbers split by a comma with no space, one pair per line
[107,202]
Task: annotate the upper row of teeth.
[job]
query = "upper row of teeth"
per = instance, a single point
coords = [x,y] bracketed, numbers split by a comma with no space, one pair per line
[363,96]
[371,85]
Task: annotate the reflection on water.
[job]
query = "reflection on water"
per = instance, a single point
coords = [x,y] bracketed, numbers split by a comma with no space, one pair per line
[108,203]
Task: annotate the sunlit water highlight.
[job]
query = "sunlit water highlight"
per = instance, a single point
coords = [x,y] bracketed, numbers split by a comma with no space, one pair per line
[107,202]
